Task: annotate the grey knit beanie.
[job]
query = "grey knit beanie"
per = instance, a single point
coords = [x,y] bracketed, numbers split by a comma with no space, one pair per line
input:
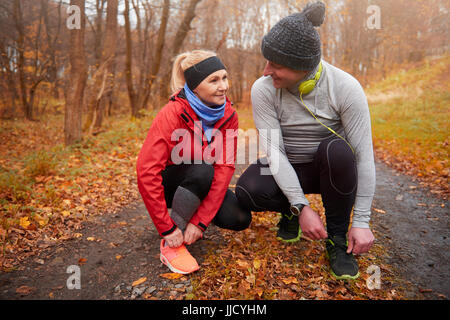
[294,42]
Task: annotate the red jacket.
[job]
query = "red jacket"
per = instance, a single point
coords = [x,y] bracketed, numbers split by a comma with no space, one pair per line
[156,154]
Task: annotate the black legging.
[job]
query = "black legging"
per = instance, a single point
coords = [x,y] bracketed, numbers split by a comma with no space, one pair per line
[331,174]
[198,178]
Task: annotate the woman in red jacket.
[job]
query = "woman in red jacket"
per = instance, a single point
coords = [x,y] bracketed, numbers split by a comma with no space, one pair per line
[187,160]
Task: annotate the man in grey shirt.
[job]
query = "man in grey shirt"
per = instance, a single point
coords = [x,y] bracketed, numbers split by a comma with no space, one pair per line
[322,144]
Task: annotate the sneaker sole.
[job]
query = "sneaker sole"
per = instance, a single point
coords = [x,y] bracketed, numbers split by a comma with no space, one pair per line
[344,276]
[173,269]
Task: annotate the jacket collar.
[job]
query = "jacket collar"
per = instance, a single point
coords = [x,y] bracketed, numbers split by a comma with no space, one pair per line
[189,116]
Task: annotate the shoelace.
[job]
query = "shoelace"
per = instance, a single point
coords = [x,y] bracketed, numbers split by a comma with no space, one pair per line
[288,224]
[335,245]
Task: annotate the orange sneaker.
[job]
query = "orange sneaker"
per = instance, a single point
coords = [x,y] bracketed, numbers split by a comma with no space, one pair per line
[179,260]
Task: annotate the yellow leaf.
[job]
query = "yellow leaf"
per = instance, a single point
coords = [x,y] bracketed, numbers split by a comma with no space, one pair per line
[257,263]
[90,239]
[139,281]
[118,257]
[171,275]
[24,223]
[290,280]
[259,291]
[65,213]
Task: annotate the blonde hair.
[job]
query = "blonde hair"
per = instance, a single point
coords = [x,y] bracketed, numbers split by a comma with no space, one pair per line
[184,61]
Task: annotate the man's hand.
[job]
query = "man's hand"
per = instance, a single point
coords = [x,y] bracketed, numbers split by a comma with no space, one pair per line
[175,239]
[192,234]
[311,225]
[360,240]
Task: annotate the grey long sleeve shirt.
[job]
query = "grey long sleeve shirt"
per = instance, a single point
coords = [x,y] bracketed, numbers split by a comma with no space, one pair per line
[339,102]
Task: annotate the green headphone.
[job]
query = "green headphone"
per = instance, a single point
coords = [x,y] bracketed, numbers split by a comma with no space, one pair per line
[309,85]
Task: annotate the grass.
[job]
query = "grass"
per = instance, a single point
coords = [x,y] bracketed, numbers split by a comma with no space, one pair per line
[410,117]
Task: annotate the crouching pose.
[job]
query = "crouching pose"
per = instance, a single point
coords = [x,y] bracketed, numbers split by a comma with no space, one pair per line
[323,144]
[188,159]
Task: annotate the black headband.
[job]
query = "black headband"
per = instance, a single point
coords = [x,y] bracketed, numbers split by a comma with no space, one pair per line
[198,72]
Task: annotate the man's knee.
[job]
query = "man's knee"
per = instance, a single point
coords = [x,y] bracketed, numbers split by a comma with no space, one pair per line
[232,215]
[337,157]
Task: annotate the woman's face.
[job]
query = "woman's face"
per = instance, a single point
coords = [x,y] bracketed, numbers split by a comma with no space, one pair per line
[213,89]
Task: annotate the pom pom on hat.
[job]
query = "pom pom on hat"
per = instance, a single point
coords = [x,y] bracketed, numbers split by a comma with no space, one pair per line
[315,12]
[294,41]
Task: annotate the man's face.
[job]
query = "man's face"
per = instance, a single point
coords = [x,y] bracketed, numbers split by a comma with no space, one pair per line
[283,77]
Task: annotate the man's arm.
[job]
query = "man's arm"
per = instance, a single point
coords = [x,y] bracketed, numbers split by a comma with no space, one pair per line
[355,119]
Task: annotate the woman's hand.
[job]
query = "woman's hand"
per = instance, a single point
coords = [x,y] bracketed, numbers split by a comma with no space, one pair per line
[175,239]
[311,224]
[192,234]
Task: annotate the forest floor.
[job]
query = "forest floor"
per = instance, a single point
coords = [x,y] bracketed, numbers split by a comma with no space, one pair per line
[118,257]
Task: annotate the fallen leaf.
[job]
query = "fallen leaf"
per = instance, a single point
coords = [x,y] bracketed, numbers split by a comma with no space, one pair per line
[118,257]
[65,213]
[257,263]
[290,280]
[242,264]
[251,279]
[25,290]
[90,239]
[259,291]
[421,205]
[82,261]
[24,223]
[171,275]
[379,210]
[139,281]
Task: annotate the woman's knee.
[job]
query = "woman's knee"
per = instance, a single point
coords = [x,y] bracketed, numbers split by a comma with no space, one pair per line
[199,179]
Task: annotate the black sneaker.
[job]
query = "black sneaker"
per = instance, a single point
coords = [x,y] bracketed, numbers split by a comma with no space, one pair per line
[288,228]
[343,265]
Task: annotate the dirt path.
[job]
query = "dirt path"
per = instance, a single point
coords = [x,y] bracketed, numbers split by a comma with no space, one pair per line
[416,232]
[116,250]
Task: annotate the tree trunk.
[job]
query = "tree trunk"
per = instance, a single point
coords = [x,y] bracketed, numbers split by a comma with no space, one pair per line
[159,49]
[181,34]
[18,19]
[128,62]
[78,76]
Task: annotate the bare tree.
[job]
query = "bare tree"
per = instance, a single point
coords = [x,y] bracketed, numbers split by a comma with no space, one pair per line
[78,76]
[182,31]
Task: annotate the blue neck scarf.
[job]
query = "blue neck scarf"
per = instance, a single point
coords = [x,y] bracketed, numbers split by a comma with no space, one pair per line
[208,115]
